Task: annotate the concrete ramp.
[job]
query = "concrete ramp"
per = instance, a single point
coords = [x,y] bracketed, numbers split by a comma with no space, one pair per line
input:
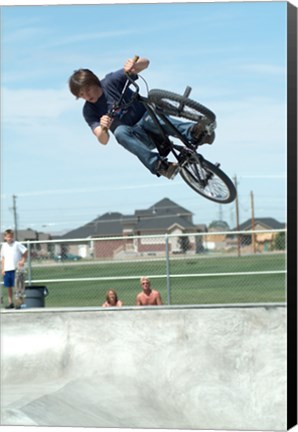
[155,367]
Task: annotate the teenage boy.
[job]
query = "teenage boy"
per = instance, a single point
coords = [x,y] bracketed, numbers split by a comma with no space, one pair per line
[13,257]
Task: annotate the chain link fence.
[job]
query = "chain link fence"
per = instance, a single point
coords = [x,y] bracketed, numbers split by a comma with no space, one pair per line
[195,268]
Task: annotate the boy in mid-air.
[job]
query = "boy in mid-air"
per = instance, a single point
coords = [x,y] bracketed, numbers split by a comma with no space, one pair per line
[131,127]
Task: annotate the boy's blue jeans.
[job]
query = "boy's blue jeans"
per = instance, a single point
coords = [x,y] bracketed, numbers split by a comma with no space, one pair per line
[136,140]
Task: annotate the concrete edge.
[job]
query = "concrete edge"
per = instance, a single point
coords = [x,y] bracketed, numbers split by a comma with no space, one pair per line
[129,308]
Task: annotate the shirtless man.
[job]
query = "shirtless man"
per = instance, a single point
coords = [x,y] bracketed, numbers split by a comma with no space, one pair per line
[148,297]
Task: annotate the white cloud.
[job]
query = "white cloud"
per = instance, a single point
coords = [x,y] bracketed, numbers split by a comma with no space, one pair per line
[25,106]
[265,69]
[94,36]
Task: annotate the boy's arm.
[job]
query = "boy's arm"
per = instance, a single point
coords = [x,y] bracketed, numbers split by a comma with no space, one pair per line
[2,265]
[136,67]
[102,131]
[24,253]
[158,299]
[21,263]
[138,300]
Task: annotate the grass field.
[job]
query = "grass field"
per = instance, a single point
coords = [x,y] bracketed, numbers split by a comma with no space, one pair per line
[194,280]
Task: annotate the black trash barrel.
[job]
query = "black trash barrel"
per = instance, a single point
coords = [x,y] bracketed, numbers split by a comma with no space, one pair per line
[35,296]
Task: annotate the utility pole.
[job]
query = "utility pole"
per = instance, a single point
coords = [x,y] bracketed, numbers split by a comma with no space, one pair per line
[220,212]
[15,216]
[253,221]
[237,216]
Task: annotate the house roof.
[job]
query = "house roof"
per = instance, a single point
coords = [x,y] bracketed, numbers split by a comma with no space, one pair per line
[108,224]
[157,218]
[166,206]
[163,222]
[267,223]
[29,234]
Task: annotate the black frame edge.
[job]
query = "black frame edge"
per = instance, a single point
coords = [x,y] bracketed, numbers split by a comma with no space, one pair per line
[292,216]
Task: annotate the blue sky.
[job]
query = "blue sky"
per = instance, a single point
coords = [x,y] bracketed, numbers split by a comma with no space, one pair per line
[233,55]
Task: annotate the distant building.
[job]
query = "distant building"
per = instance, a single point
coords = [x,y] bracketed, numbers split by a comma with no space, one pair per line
[263,241]
[164,217]
[37,250]
[219,236]
[216,241]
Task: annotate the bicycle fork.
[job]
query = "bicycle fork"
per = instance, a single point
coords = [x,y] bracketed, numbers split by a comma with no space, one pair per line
[192,163]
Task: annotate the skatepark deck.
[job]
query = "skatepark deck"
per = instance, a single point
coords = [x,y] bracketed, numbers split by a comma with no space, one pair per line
[209,367]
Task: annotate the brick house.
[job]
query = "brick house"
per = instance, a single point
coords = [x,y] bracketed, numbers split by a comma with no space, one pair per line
[262,241]
[37,250]
[115,229]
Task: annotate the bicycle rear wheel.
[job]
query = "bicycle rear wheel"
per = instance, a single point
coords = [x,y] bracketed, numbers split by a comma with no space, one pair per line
[208,180]
[179,106]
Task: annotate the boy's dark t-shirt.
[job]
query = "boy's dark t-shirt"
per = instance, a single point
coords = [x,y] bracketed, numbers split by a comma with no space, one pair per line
[112,86]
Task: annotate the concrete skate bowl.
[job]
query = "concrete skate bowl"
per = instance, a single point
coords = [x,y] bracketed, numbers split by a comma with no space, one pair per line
[155,367]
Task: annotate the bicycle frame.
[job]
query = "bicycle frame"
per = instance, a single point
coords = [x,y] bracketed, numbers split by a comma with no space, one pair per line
[195,170]
[157,115]
[182,153]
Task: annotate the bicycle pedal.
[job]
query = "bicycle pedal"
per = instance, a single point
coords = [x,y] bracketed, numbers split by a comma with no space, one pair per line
[175,173]
[210,128]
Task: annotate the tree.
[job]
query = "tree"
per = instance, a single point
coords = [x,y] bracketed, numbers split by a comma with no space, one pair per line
[184,244]
[219,225]
[279,242]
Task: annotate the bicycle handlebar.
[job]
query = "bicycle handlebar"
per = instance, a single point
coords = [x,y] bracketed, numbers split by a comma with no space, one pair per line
[135,58]
[117,105]
[129,81]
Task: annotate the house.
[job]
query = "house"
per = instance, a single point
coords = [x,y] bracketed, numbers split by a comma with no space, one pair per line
[262,241]
[217,240]
[164,217]
[37,250]
[261,224]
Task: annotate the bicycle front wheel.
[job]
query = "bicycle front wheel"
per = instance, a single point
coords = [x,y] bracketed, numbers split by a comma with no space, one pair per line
[208,180]
[179,106]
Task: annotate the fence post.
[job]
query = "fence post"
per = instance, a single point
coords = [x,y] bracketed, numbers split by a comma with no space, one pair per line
[29,263]
[168,269]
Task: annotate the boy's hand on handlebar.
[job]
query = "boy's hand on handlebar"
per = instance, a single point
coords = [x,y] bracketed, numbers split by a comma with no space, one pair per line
[105,122]
[129,66]
[135,65]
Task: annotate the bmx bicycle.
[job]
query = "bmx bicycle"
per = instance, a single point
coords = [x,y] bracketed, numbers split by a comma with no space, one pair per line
[202,176]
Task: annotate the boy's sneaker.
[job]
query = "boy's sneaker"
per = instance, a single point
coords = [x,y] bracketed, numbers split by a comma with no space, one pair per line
[10,306]
[202,132]
[168,170]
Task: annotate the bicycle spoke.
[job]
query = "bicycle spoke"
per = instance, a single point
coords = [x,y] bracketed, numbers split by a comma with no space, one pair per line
[217,189]
[201,175]
[175,108]
[195,172]
[206,182]
[179,106]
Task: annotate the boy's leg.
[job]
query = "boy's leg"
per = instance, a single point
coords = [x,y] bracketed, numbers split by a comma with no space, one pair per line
[130,138]
[193,132]
[8,280]
[9,295]
[183,127]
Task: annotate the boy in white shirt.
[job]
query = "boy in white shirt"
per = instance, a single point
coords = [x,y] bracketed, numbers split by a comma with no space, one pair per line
[13,256]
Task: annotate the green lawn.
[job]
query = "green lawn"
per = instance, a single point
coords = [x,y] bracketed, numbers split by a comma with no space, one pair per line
[188,287]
